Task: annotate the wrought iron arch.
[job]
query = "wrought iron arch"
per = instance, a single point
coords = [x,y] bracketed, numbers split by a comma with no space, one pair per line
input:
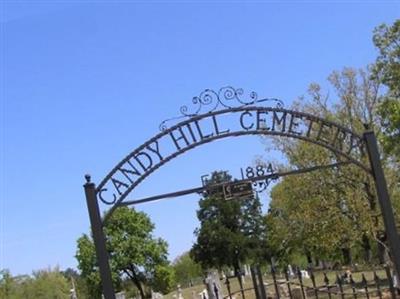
[188,134]
[246,118]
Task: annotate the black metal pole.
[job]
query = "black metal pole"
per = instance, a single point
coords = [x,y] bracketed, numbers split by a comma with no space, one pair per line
[383,197]
[255,284]
[261,282]
[99,239]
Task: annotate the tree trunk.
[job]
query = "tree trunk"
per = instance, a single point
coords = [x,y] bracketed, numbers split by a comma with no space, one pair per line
[309,258]
[367,248]
[346,256]
[133,276]
[141,291]
[381,236]
[317,262]
[381,239]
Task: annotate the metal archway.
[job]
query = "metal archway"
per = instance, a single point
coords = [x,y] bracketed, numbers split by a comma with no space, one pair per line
[248,118]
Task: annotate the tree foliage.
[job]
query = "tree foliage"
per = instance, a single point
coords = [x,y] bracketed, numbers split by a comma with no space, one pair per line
[78,282]
[46,284]
[387,67]
[387,70]
[331,211]
[134,253]
[186,269]
[230,232]
[389,112]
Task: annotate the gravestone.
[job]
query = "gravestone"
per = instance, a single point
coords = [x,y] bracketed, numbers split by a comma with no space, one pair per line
[120,295]
[290,271]
[304,274]
[203,294]
[179,292]
[156,295]
[246,270]
[212,282]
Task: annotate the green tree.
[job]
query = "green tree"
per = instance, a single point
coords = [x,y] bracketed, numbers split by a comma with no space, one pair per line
[387,70]
[186,269]
[336,210]
[7,284]
[46,284]
[134,253]
[230,232]
[387,67]
[323,219]
[389,112]
[77,281]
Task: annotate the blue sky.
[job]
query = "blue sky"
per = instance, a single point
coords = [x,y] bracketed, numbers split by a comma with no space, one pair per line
[84,83]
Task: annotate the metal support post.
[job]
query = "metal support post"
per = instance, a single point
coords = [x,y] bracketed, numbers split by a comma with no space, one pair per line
[255,284]
[99,239]
[261,282]
[383,197]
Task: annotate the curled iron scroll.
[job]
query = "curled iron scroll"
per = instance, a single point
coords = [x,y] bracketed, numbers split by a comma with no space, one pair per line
[210,100]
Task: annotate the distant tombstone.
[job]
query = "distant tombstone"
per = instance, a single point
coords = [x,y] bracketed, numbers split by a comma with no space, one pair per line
[223,276]
[246,270]
[304,274]
[155,295]
[213,285]
[243,276]
[73,294]
[203,294]
[120,295]
[179,292]
[290,271]
[396,280]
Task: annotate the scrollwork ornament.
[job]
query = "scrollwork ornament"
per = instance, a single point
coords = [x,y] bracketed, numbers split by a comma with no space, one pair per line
[164,124]
[253,96]
[184,109]
[226,94]
[209,98]
[226,97]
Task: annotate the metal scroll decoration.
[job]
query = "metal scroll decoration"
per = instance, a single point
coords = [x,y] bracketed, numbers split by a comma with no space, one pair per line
[226,97]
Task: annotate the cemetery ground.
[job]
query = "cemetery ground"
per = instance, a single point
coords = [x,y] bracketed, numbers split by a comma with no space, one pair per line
[282,283]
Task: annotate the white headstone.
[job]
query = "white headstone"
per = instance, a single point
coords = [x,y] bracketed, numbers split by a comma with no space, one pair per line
[290,271]
[304,274]
[120,295]
[213,285]
[155,295]
[179,292]
[203,294]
